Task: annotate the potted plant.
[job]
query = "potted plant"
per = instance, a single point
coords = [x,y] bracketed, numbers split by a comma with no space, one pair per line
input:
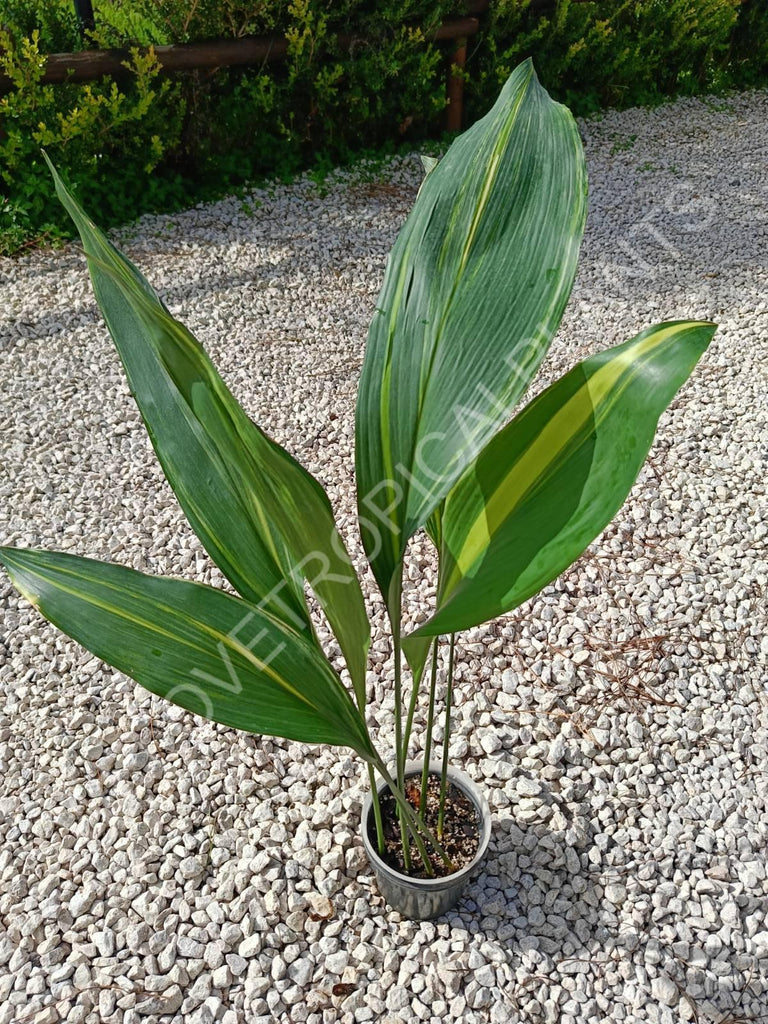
[474,290]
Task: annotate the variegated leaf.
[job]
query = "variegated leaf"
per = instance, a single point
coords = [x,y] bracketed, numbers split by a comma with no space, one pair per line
[265,521]
[551,480]
[474,290]
[207,651]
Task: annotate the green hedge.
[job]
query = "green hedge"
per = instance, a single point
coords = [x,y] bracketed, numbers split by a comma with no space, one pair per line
[150,141]
[625,52]
[155,142]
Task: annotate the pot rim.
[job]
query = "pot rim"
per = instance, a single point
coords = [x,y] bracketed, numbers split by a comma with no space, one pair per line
[471,790]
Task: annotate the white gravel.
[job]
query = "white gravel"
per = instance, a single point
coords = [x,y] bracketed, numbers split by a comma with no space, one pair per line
[154,867]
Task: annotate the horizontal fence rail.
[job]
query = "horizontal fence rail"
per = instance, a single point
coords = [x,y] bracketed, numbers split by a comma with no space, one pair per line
[87,65]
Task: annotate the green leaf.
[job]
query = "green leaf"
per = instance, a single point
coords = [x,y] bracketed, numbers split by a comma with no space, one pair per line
[552,480]
[264,520]
[434,526]
[207,651]
[473,293]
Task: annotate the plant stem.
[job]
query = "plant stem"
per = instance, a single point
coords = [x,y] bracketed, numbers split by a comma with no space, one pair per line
[395,606]
[417,827]
[396,616]
[428,738]
[376,811]
[399,752]
[409,716]
[376,803]
[446,738]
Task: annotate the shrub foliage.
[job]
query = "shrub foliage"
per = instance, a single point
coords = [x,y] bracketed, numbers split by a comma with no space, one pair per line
[621,52]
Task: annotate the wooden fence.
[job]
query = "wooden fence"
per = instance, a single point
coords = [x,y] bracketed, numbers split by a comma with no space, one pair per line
[87,65]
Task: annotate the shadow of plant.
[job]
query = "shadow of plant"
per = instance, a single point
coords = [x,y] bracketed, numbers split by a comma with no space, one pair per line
[541,876]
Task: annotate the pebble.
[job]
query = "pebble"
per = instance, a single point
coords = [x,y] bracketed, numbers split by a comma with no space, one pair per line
[156,866]
[189,947]
[168,1001]
[556,751]
[337,962]
[615,893]
[321,906]
[137,761]
[528,787]
[250,946]
[238,965]
[91,749]
[300,972]
[665,990]
[190,867]
[490,742]
[81,903]
[105,942]
[222,977]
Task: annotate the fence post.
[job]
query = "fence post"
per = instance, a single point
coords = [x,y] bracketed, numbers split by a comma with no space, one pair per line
[85,18]
[456,86]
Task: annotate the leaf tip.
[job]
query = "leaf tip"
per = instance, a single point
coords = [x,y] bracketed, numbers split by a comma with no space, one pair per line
[58,183]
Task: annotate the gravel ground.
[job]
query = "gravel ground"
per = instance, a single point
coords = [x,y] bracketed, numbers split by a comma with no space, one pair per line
[155,867]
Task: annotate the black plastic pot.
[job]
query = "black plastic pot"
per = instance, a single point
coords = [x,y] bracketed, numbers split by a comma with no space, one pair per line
[423,898]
